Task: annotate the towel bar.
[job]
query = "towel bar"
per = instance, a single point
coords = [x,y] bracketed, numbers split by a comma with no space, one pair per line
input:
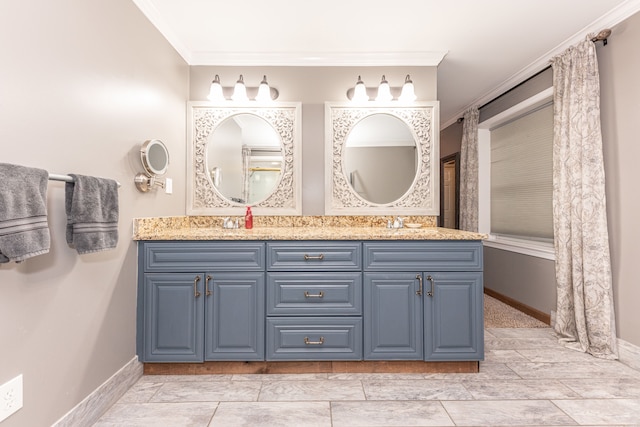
[65,178]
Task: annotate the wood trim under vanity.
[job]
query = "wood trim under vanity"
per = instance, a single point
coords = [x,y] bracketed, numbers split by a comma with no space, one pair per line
[536,314]
[329,367]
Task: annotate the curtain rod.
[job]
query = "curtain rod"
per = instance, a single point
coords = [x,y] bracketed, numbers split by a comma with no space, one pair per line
[601,36]
[65,178]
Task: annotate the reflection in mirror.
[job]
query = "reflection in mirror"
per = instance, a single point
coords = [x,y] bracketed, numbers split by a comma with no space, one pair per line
[244,158]
[380,158]
[240,155]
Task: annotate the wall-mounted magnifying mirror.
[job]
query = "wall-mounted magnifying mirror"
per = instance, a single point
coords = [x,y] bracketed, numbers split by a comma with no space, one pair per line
[381,159]
[155,161]
[244,155]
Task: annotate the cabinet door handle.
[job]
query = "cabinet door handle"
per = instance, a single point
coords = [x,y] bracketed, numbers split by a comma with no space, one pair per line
[196,294]
[308,257]
[419,291]
[307,342]
[318,295]
[207,292]
[430,279]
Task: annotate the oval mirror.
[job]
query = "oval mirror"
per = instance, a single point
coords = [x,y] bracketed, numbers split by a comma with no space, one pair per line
[244,158]
[380,159]
[155,157]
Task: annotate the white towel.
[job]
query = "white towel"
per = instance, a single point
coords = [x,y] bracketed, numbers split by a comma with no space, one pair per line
[24,232]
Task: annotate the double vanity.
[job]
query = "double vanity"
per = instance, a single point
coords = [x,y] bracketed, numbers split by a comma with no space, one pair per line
[339,292]
[314,293]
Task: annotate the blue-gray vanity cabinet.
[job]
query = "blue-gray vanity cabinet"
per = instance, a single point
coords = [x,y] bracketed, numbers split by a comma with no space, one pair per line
[438,282]
[201,301]
[171,318]
[454,320]
[393,330]
[314,300]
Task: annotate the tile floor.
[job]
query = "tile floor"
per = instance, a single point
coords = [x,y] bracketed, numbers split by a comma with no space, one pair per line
[527,379]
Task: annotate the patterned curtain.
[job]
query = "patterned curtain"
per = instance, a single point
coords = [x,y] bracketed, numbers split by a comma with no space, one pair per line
[585,314]
[469,171]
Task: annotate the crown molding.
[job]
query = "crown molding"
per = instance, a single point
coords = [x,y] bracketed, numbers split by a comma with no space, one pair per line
[306,59]
[610,19]
[149,10]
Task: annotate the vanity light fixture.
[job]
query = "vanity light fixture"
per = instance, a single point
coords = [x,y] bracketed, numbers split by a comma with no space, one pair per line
[215,92]
[360,92]
[383,93]
[264,92]
[241,93]
[408,94]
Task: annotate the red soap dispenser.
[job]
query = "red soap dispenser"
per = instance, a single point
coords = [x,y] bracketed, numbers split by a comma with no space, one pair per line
[248,219]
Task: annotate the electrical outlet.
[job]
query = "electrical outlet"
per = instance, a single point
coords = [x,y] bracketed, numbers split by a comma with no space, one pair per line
[10,397]
[168,186]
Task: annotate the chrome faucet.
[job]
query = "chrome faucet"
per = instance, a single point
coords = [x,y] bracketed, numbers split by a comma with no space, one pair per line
[229,223]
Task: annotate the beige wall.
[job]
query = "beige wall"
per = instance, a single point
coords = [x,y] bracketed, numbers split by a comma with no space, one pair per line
[82,85]
[620,108]
[313,86]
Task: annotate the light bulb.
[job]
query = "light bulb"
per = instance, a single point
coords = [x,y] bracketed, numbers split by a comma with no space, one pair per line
[360,92]
[264,91]
[215,92]
[240,91]
[407,95]
[384,91]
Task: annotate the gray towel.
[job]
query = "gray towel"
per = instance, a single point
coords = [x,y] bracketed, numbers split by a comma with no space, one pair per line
[24,231]
[92,213]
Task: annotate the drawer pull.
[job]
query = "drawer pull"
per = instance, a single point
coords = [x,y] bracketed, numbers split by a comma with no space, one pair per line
[430,292]
[308,257]
[196,293]
[419,277]
[318,295]
[307,342]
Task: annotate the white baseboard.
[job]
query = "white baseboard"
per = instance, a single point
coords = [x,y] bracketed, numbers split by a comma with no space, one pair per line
[629,354]
[88,411]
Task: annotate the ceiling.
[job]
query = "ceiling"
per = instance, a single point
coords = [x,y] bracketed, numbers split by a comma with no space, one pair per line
[481,48]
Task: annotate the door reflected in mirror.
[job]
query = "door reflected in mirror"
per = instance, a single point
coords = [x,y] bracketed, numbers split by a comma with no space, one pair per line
[244,158]
[380,158]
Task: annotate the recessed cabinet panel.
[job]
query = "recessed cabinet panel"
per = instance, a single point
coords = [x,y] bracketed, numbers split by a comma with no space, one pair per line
[311,338]
[314,256]
[423,256]
[393,309]
[314,294]
[173,318]
[454,318]
[204,256]
[234,326]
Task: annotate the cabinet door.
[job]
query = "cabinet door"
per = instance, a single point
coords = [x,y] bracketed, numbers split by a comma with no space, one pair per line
[234,325]
[173,316]
[393,313]
[454,328]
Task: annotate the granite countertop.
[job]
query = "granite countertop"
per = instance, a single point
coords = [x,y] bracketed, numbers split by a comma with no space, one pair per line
[179,228]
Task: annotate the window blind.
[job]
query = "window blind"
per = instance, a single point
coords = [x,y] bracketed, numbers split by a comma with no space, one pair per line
[521,176]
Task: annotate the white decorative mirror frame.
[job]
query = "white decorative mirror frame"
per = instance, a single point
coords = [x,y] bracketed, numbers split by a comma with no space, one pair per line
[203,198]
[422,198]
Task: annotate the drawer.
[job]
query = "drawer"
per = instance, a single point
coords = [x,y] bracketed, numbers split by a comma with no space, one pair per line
[314,338]
[423,256]
[318,256]
[314,294]
[203,256]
